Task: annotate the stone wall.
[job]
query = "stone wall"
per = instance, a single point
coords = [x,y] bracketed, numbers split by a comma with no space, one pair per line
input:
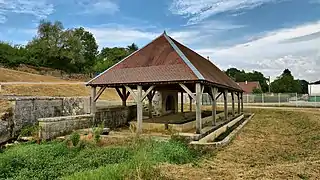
[27,110]
[58,126]
[113,117]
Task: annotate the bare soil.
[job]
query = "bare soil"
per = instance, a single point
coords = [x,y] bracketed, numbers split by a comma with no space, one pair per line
[275,144]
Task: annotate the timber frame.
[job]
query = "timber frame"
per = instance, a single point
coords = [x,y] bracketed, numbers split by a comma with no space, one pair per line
[194,91]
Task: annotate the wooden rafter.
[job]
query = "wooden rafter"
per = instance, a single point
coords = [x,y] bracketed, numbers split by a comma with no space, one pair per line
[185,88]
[147,92]
[99,93]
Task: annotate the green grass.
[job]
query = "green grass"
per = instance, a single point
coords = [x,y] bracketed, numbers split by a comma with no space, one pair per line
[52,160]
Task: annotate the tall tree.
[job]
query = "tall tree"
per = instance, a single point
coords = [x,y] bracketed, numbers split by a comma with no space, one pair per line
[286,83]
[89,49]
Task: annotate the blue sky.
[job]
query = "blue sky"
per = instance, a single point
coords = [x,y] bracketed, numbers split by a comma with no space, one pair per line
[264,35]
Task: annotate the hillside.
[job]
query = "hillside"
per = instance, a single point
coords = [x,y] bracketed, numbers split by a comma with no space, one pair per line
[8,75]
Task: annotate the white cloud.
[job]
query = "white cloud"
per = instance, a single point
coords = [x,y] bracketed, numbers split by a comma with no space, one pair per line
[202,32]
[296,48]
[120,35]
[38,8]
[99,7]
[198,10]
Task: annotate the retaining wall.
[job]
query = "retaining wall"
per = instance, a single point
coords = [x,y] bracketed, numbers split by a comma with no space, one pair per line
[50,128]
[113,117]
[25,111]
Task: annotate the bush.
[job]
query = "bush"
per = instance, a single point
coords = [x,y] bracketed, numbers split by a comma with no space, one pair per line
[75,138]
[31,130]
[97,132]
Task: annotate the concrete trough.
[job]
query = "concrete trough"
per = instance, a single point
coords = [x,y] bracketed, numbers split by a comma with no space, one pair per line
[209,139]
[185,127]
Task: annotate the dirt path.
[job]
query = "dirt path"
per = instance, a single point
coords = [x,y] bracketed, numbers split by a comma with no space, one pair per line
[275,144]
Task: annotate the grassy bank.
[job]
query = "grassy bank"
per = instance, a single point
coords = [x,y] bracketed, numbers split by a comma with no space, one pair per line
[275,144]
[138,159]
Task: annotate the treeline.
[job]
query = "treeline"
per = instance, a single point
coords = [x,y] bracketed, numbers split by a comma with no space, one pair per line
[285,83]
[71,50]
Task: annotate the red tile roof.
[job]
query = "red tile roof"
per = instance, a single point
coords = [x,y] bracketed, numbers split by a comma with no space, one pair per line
[248,87]
[164,60]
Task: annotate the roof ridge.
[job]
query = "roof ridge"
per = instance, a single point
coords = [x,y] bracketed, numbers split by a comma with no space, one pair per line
[184,57]
[124,59]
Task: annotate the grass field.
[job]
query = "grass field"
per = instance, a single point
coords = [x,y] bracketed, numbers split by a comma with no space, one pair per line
[275,144]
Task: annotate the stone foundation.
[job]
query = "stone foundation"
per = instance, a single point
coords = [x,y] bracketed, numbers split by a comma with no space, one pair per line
[53,127]
[113,117]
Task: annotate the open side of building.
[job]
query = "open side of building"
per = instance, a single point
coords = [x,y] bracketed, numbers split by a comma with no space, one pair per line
[166,68]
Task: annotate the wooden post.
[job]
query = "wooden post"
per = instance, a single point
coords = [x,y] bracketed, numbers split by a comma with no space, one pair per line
[124,94]
[214,105]
[238,94]
[190,108]
[241,102]
[232,98]
[93,102]
[139,110]
[150,97]
[181,102]
[225,97]
[198,108]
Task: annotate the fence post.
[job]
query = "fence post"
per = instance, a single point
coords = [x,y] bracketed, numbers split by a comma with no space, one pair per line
[296,99]
[315,101]
[262,99]
[279,99]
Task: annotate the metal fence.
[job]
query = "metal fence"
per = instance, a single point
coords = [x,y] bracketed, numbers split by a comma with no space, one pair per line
[265,99]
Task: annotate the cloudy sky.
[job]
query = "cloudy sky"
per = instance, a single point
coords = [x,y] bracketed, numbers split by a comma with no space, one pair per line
[264,35]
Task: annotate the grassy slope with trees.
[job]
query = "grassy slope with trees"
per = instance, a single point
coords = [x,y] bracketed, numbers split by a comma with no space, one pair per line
[71,50]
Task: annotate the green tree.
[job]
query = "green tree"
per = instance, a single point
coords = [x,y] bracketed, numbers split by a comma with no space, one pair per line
[110,56]
[304,86]
[132,48]
[241,76]
[285,83]
[89,49]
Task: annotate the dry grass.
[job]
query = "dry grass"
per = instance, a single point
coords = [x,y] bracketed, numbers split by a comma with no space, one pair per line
[273,145]
[9,75]
[56,90]
[4,105]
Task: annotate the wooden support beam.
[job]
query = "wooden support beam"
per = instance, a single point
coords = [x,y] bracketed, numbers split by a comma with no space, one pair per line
[132,93]
[139,109]
[125,96]
[181,98]
[238,94]
[219,95]
[242,102]
[150,97]
[119,93]
[93,103]
[99,93]
[147,92]
[190,105]
[185,88]
[225,97]
[213,93]
[198,108]
[232,100]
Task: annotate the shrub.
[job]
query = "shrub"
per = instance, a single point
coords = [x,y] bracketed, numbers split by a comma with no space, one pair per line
[31,130]
[97,132]
[75,138]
